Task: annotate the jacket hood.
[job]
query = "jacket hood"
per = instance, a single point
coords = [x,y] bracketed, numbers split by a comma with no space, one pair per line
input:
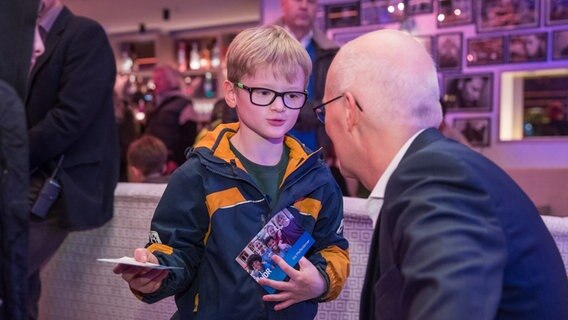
[215,147]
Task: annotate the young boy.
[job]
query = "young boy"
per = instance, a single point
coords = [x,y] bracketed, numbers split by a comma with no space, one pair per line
[234,181]
[146,158]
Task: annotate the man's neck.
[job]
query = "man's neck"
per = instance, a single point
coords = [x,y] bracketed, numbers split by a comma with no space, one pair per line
[299,33]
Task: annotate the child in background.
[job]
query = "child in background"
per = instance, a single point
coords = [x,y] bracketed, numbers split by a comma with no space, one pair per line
[146,160]
[235,180]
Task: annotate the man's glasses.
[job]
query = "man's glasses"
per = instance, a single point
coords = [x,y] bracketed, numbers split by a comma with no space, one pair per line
[320,109]
[264,97]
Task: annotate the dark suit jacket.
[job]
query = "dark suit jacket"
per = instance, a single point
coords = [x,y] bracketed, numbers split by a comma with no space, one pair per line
[458,239]
[70,111]
[14,208]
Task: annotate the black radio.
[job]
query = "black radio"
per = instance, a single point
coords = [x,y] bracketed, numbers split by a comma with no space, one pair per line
[48,194]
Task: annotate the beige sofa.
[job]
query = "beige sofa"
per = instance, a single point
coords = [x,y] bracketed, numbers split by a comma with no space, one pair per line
[547,188]
[76,286]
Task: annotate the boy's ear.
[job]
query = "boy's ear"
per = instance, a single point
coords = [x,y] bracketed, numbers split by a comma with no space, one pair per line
[230,93]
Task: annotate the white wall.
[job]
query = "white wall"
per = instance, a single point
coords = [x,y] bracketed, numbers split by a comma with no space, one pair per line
[536,153]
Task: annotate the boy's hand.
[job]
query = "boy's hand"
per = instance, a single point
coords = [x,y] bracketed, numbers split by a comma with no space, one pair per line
[143,280]
[304,284]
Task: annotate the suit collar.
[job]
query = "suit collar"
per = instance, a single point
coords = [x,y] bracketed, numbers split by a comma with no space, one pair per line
[425,138]
[53,38]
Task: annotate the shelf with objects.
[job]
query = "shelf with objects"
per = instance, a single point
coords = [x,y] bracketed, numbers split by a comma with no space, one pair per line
[200,58]
[137,54]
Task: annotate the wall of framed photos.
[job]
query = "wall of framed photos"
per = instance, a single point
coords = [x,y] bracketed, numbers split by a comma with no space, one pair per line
[476,44]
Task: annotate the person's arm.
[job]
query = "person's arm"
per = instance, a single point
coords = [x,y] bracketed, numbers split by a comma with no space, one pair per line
[447,241]
[323,274]
[330,255]
[178,230]
[86,82]
[142,280]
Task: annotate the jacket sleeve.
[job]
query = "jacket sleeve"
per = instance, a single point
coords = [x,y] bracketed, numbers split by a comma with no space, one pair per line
[330,251]
[447,240]
[178,229]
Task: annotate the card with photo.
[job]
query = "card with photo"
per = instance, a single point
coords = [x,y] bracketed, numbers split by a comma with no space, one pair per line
[282,236]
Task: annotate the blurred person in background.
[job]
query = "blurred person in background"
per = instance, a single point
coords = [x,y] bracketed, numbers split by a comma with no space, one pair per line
[73,144]
[173,120]
[147,157]
[298,17]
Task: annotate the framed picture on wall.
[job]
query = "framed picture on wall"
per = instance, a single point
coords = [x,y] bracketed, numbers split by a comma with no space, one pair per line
[468,92]
[560,44]
[342,36]
[420,6]
[390,11]
[454,12]
[498,15]
[449,51]
[475,130]
[484,51]
[342,15]
[426,42]
[556,12]
[527,47]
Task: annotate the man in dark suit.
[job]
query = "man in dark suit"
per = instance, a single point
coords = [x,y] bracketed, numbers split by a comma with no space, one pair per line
[70,119]
[456,238]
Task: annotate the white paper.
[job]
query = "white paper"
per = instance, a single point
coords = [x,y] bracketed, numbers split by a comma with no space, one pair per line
[132,262]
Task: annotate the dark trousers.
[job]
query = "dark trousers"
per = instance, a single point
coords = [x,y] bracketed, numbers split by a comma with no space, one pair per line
[45,237]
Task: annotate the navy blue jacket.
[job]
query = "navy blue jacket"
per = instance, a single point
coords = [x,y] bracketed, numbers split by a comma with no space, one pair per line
[210,211]
[458,239]
[70,112]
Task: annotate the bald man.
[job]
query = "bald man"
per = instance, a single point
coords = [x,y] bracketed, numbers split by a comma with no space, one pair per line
[456,238]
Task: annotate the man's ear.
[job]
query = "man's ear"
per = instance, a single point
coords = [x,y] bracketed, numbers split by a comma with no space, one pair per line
[351,111]
[230,93]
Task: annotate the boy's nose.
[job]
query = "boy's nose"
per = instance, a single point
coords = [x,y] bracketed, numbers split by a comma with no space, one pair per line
[278,104]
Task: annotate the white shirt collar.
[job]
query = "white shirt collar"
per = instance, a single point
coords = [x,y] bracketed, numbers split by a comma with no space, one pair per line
[375,200]
[49,17]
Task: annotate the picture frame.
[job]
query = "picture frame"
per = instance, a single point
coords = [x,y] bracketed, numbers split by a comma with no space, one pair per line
[449,50]
[500,15]
[377,12]
[485,51]
[342,36]
[528,47]
[544,105]
[415,7]
[454,12]
[477,131]
[560,44]
[556,12]
[342,15]
[427,42]
[468,92]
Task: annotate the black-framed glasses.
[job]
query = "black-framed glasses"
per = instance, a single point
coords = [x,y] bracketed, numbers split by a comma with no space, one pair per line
[263,97]
[320,109]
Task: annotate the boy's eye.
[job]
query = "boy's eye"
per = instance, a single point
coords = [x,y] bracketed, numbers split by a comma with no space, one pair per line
[263,92]
[293,95]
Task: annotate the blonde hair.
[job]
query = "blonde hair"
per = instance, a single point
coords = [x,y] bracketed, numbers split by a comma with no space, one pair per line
[267,47]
